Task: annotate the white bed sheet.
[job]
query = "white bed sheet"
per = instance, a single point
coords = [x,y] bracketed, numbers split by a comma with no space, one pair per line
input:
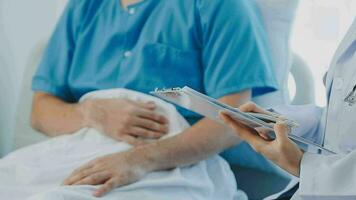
[36,172]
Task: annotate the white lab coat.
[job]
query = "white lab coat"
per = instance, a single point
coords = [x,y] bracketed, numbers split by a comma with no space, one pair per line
[334,177]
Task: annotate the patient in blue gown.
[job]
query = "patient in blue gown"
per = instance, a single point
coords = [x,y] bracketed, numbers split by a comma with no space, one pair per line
[216,47]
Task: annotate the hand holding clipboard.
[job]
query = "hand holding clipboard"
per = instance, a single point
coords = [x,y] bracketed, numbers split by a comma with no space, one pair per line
[211,108]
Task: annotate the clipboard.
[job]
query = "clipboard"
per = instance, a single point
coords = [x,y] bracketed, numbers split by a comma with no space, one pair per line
[209,107]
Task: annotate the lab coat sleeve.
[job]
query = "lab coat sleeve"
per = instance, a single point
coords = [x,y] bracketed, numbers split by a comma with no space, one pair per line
[328,177]
[308,117]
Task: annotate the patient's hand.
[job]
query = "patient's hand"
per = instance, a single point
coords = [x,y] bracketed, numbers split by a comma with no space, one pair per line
[111,171]
[125,120]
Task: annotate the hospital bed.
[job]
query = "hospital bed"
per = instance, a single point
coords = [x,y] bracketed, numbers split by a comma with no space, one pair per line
[278,16]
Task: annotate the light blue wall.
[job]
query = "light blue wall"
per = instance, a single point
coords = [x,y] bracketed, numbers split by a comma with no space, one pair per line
[22,25]
[7,86]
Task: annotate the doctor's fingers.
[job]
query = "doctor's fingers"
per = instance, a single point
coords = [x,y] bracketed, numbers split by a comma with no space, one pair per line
[282,131]
[252,107]
[248,134]
[264,133]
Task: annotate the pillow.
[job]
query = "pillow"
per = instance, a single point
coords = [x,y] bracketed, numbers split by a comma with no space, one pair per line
[7,95]
[24,135]
[278,16]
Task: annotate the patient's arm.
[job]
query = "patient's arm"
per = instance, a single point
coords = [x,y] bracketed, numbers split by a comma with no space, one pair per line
[118,118]
[54,117]
[197,143]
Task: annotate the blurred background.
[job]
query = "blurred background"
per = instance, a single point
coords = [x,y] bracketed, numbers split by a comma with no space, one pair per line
[23,24]
[318,29]
[319,26]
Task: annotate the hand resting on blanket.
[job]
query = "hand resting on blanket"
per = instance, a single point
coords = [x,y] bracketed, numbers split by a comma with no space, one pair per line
[112,171]
[38,171]
[121,119]
[125,120]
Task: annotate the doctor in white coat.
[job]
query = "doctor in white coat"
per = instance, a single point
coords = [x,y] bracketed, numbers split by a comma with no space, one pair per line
[321,176]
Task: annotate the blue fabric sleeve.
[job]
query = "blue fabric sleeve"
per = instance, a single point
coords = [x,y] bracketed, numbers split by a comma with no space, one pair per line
[52,73]
[236,56]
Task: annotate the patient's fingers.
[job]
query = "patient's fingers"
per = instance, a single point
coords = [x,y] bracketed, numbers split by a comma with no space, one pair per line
[150,125]
[86,166]
[94,179]
[80,174]
[134,141]
[152,116]
[144,133]
[146,105]
[107,187]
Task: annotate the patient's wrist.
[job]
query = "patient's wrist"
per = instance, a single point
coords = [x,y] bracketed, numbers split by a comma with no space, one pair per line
[145,157]
[153,158]
[160,155]
[85,108]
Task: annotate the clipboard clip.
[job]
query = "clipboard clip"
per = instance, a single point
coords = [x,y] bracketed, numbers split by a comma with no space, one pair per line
[173,92]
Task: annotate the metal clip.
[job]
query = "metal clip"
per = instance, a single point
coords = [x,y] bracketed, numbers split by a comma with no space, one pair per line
[173,92]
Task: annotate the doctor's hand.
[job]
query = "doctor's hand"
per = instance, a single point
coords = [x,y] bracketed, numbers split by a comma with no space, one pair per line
[282,151]
[110,172]
[125,120]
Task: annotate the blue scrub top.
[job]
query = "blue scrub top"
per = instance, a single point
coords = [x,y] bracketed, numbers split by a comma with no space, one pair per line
[216,47]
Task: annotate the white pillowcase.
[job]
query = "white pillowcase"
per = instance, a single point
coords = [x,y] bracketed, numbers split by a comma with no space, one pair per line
[278,18]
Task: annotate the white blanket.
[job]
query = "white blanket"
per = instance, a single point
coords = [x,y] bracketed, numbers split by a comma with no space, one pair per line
[36,172]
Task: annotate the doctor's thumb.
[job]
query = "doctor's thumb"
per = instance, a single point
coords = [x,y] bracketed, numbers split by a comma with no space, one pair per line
[282,130]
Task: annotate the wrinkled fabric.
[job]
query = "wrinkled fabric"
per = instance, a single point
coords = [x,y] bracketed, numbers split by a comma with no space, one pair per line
[36,172]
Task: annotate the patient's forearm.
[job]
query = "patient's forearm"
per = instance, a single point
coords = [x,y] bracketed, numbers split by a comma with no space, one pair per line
[204,139]
[55,117]
[201,141]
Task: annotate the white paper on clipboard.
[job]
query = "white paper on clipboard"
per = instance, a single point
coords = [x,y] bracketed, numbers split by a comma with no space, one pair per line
[210,107]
